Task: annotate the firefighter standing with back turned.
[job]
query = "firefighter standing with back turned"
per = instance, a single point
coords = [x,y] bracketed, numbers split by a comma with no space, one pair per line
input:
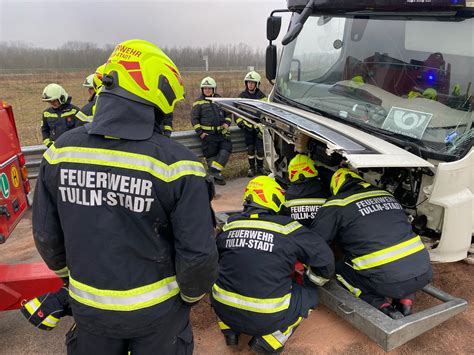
[212,127]
[147,250]
[385,262]
[254,293]
[93,83]
[253,134]
[60,117]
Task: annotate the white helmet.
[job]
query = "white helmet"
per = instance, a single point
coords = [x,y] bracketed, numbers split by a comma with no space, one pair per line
[55,92]
[208,82]
[253,76]
[89,82]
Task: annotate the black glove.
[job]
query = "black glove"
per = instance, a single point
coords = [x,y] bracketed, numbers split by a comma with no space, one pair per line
[45,311]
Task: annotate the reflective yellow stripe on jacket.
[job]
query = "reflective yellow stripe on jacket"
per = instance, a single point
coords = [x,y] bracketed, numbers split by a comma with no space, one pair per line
[124,300]
[83,117]
[257,305]
[125,160]
[388,255]
[305,201]
[357,197]
[275,227]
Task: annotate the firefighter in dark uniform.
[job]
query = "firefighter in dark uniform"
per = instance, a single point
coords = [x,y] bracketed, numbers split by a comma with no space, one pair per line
[147,250]
[253,134]
[258,248]
[94,83]
[385,262]
[212,127]
[307,193]
[60,116]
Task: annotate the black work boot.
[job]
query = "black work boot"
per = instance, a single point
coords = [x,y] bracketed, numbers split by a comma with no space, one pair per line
[259,346]
[404,306]
[260,168]
[252,171]
[231,339]
[218,178]
[390,311]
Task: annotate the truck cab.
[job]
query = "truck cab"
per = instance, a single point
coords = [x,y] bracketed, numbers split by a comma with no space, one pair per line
[14,183]
[384,87]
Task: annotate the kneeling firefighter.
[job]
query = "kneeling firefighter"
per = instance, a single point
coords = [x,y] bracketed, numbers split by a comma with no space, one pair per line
[385,262]
[254,293]
[123,213]
[307,193]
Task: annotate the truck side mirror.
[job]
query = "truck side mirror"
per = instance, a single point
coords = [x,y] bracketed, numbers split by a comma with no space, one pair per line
[271,62]
[273,27]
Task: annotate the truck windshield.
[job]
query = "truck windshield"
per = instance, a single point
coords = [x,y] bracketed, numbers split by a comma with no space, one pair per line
[407,78]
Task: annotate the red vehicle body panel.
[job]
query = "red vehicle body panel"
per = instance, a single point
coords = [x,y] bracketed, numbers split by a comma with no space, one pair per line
[13,185]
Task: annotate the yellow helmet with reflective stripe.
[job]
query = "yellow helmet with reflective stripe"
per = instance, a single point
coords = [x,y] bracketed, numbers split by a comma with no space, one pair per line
[140,71]
[208,82]
[97,78]
[301,167]
[88,82]
[264,192]
[340,177]
[54,92]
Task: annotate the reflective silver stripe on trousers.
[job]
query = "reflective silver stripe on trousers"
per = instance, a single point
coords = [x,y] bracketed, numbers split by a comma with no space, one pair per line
[284,303]
[388,254]
[125,301]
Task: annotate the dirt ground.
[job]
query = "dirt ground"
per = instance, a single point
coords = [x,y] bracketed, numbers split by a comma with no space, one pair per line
[322,333]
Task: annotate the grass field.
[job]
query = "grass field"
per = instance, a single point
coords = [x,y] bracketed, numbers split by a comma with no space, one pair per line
[23,92]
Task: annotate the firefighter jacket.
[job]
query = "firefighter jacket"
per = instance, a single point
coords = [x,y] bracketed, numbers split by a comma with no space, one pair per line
[207,117]
[257,254]
[57,121]
[86,113]
[257,95]
[304,199]
[373,231]
[130,223]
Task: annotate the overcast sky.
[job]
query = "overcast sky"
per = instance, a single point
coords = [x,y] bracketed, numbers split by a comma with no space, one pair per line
[170,23]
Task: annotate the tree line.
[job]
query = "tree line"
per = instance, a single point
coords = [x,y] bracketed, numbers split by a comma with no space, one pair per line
[18,56]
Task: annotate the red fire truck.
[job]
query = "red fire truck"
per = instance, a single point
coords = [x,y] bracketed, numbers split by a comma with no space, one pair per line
[18,281]
[14,183]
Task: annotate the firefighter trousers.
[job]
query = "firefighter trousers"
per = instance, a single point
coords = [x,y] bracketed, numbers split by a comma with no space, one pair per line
[376,293]
[216,148]
[303,300]
[254,143]
[171,337]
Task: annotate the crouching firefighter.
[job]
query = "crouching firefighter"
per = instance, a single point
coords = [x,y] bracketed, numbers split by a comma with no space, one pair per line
[307,192]
[385,262]
[212,127]
[254,293]
[110,202]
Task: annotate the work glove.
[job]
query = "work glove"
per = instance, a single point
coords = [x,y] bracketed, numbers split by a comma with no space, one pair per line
[45,311]
[316,279]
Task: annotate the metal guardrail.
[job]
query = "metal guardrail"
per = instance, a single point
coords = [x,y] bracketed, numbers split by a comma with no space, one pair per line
[189,139]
